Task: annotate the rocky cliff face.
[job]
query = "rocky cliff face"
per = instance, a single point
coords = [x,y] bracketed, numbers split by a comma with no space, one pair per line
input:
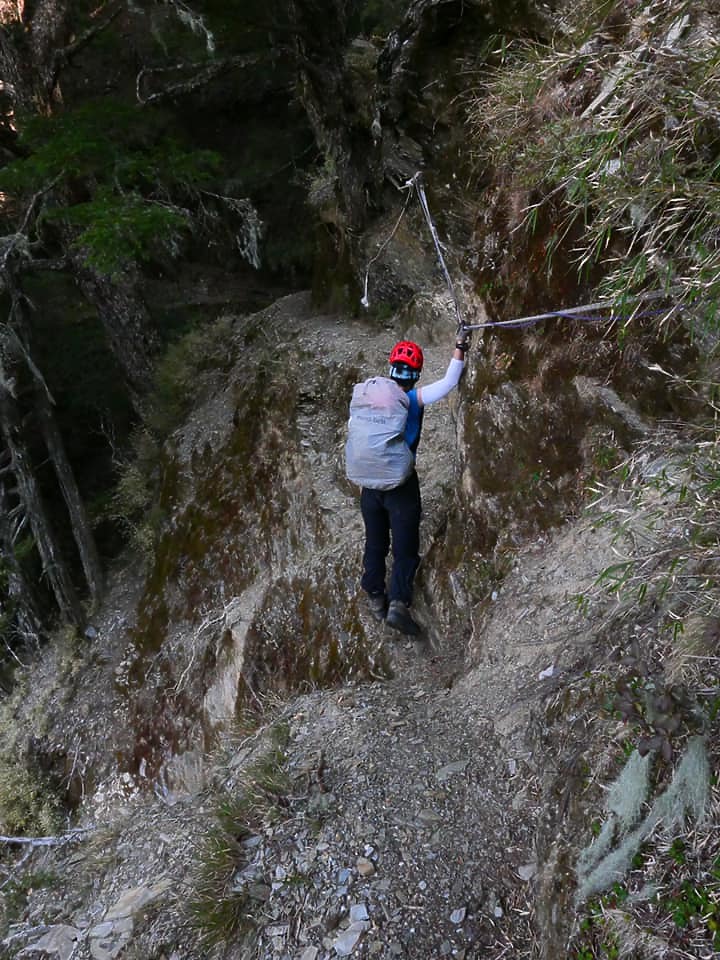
[260,769]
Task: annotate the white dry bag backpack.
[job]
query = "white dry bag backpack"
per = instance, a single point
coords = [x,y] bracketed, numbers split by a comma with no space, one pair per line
[376,454]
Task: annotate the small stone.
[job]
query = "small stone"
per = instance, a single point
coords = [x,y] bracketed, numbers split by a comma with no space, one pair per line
[445,948]
[429,816]
[106,949]
[332,920]
[527,871]
[259,891]
[58,943]
[123,926]
[136,899]
[422,885]
[358,911]
[365,867]
[498,912]
[347,941]
[457,916]
[444,773]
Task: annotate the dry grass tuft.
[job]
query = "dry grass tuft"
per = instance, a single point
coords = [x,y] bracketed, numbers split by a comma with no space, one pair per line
[613,130]
[663,628]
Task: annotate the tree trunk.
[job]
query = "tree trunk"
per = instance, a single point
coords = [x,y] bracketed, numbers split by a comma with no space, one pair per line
[320,31]
[127,325]
[43,402]
[54,566]
[26,620]
[46,25]
[29,65]
[66,478]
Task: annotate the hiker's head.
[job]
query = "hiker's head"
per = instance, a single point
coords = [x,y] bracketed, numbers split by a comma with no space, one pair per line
[406,361]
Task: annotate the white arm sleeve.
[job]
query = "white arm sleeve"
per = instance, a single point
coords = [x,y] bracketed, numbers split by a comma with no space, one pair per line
[441,388]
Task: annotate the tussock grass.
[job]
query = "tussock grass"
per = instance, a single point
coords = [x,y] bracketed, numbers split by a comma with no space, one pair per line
[665,511]
[227,897]
[659,896]
[612,133]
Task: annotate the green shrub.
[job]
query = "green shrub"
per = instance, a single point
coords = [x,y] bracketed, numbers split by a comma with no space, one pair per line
[188,368]
[27,804]
[122,187]
[116,230]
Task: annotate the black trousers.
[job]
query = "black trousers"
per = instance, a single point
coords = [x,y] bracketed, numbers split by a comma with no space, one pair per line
[391,516]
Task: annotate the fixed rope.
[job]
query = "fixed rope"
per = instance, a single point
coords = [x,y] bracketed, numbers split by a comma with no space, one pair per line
[416,181]
[585,313]
[415,185]
[365,300]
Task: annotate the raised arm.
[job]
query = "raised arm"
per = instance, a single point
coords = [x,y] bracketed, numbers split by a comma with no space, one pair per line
[441,388]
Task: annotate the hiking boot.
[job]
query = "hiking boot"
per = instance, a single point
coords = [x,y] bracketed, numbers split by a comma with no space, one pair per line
[377,605]
[398,617]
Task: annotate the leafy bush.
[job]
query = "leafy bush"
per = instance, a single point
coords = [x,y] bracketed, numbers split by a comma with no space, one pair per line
[104,141]
[118,229]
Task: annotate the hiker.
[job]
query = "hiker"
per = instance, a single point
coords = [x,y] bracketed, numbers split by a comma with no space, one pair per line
[384,466]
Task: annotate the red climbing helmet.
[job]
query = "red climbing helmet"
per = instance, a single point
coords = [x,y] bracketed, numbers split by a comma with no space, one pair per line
[408,353]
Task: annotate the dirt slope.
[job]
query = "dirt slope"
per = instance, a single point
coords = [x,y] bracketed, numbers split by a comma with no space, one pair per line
[426,802]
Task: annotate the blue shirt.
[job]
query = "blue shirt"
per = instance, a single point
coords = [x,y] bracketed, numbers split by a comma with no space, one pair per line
[414,421]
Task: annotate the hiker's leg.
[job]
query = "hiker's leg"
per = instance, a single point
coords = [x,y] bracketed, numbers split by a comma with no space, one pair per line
[377,541]
[404,508]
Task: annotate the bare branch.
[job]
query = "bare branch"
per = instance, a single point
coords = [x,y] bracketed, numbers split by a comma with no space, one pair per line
[13,655]
[64,55]
[20,237]
[204,75]
[57,263]
[72,836]
[9,333]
